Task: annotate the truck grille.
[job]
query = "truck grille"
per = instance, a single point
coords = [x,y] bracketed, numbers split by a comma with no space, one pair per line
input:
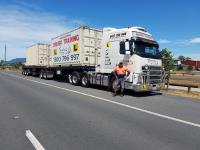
[154,74]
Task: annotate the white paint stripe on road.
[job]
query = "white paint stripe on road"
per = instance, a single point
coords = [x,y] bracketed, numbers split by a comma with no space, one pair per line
[113,102]
[33,140]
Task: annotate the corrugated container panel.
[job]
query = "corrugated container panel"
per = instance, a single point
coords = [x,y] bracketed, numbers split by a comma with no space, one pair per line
[78,47]
[38,55]
[193,63]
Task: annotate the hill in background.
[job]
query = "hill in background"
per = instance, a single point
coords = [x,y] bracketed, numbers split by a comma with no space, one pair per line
[16,60]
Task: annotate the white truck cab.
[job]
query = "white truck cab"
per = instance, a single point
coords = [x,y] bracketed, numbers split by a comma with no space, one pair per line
[138,51]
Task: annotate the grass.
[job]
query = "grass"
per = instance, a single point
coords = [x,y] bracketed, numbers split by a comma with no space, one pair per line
[195,95]
[188,80]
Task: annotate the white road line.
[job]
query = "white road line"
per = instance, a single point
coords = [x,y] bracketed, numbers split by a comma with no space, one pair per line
[113,102]
[33,140]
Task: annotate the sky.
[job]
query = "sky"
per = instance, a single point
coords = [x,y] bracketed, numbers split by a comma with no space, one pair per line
[175,24]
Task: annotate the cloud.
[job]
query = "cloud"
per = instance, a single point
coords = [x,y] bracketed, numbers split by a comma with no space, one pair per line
[194,56]
[182,42]
[164,41]
[185,42]
[24,24]
[188,42]
[195,40]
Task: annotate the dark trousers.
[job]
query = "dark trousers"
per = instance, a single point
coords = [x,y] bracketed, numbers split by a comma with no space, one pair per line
[119,82]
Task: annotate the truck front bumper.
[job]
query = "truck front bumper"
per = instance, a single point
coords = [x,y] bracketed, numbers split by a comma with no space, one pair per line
[146,87]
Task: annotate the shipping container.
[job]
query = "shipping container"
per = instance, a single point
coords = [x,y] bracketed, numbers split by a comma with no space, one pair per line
[79,47]
[38,55]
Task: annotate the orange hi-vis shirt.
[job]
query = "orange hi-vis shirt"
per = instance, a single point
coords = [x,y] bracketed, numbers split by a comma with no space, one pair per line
[121,71]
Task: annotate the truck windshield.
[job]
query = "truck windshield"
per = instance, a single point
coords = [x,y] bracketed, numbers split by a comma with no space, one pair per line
[146,49]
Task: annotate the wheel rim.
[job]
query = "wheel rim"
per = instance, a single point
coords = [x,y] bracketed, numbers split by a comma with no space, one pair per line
[70,78]
[74,79]
[84,80]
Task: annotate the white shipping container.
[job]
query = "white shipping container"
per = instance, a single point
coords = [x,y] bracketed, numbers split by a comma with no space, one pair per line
[78,47]
[38,55]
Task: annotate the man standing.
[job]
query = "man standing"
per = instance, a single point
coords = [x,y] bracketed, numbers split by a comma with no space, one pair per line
[120,72]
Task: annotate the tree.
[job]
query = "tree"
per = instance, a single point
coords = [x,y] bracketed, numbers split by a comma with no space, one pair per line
[181,58]
[188,58]
[168,61]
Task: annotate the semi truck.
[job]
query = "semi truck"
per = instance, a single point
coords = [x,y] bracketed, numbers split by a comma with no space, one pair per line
[86,56]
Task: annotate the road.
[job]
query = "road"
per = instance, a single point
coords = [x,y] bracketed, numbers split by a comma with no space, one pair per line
[66,117]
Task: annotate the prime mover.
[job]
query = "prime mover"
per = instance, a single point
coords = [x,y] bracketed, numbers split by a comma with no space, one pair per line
[86,56]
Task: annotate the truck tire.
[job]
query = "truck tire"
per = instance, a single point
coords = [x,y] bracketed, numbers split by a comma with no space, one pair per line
[41,75]
[75,78]
[85,80]
[45,75]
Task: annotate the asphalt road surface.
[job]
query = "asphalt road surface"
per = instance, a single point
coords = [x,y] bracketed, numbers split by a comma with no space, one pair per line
[58,116]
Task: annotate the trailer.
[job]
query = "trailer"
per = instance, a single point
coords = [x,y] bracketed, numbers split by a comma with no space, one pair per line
[86,56]
[37,58]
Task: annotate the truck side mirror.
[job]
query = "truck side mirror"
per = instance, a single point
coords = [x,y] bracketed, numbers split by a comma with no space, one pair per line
[127,46]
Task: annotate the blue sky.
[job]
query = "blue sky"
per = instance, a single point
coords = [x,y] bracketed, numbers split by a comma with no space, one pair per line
[175,24]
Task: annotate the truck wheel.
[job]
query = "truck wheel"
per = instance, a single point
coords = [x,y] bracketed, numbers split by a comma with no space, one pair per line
[45,75]
[85,80]
[75,78]
[70,78]
[41,75]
